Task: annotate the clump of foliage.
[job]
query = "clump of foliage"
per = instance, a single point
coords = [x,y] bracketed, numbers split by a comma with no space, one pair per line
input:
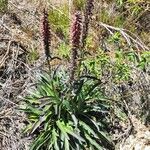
[68,117]
[67,111]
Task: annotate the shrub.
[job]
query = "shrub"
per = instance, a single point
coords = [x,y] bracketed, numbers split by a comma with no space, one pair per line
[67,117]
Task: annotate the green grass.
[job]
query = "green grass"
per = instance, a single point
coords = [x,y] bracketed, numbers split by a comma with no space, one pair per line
[3,5]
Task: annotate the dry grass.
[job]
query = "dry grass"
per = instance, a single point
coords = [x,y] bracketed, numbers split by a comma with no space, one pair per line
[19,34]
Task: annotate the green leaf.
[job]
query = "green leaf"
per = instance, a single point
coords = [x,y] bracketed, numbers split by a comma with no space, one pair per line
[34,110]
[38,123]
[66,144]
[89,121]
[93,142]
[75,120]
[120,114]
[104,138]
[46,137]
[53,140]
[68,129]
[32,100]
[76,135]
[89,129]
[48,120]
[56,146]
[39,142]
[27,128]
[62,128]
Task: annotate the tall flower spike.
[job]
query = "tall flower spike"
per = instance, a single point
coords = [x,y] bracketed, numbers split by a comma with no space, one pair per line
[46,34]
[87,16]
[76,30]
[75,42]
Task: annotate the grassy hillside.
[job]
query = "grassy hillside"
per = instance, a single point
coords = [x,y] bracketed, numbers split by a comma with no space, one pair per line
[74,74]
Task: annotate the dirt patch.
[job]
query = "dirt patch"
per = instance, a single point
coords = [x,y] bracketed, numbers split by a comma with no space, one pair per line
[140,139]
